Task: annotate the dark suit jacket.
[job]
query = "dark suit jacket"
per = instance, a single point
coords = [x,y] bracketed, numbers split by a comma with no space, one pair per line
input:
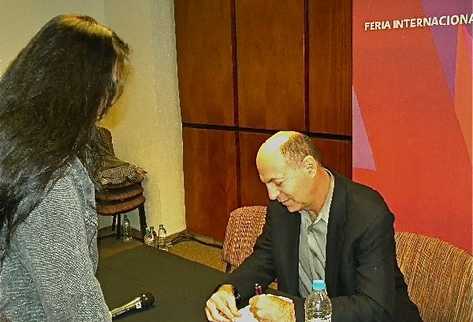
[361,272]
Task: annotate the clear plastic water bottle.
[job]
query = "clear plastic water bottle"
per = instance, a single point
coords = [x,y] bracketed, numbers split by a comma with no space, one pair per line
[317,306]
[162,235]
[126,230]
[149,236]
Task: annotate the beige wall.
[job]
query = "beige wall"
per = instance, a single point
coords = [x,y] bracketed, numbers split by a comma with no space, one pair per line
[146,121]
[21,19]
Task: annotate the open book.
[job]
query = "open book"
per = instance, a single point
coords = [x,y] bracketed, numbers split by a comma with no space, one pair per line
[247,316]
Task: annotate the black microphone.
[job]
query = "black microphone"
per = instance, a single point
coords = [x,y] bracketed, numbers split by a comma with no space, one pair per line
[140,303]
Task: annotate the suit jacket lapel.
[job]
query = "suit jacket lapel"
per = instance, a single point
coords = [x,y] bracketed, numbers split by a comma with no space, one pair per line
[288,240]
[335,234]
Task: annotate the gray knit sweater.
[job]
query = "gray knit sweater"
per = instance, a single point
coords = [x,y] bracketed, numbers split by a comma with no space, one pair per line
[48,273]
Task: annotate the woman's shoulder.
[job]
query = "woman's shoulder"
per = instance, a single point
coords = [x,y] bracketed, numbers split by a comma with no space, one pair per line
[70,193]
[74,178]
[76,171]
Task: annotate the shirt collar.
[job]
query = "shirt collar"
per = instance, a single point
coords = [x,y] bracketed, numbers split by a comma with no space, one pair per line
[325,210]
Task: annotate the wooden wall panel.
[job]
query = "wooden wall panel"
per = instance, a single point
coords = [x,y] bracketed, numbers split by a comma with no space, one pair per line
[253,192]
[209,180]
[289,64]
[336,155]
[330,66]
[270,53]
[204,54]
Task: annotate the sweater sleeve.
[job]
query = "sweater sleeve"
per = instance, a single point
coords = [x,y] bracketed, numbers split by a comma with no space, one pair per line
[54,249]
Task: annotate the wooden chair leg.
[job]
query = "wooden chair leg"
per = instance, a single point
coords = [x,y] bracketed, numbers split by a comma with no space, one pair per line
[119,226]
[228,268]
[143,226]
[114,221]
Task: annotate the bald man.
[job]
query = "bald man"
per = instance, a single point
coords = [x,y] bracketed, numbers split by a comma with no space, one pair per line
[319,225]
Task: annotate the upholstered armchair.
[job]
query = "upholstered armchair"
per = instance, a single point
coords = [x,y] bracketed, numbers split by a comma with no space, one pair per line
[244,226]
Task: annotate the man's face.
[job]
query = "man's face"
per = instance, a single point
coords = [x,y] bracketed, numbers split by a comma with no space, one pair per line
[286,183]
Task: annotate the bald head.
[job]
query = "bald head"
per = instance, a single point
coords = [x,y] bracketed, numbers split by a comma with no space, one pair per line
[292,146]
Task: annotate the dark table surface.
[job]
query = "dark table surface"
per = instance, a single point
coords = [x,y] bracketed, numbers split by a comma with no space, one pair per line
[181,287]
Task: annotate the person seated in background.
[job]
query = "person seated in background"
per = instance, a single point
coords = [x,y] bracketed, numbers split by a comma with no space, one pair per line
[319,225]
[51,96]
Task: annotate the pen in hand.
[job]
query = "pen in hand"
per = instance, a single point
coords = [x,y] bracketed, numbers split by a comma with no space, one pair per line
[258,289]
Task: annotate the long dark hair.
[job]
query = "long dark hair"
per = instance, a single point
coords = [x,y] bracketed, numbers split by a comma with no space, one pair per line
[51,95]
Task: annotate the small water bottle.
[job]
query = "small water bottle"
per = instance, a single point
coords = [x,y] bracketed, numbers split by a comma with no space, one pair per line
[149,236]
[162,234]
[126,234]
[317,306]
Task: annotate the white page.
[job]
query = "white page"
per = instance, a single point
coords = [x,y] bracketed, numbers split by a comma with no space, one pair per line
[246,315]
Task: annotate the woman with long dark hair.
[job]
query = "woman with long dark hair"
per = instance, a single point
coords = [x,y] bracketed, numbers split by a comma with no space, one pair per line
[51,96]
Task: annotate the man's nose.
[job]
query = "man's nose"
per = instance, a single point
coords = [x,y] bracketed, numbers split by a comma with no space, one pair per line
[273,192]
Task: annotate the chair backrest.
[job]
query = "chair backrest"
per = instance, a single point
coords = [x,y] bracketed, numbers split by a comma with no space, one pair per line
[244,226]
[439,277]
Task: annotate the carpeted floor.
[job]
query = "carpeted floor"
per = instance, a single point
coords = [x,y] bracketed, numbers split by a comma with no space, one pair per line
[192,250]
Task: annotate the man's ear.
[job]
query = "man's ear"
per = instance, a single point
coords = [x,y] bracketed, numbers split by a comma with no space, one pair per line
[310,165]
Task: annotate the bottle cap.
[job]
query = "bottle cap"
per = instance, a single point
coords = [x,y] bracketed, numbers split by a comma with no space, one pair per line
[318,285]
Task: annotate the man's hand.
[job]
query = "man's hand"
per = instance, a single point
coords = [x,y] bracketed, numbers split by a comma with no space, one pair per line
[270,308]
[221,306]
